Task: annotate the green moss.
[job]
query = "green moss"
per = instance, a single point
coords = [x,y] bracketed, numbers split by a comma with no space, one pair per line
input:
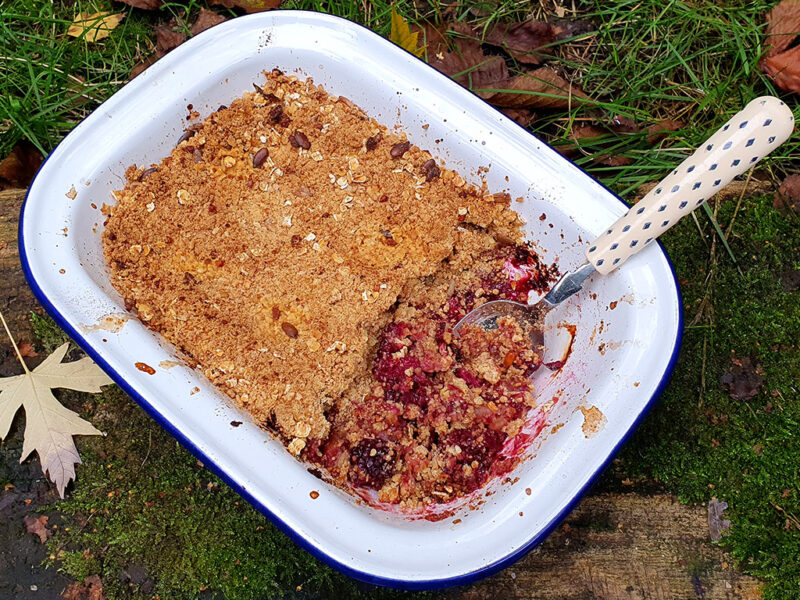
[47,332]
[702,445]
[142,500]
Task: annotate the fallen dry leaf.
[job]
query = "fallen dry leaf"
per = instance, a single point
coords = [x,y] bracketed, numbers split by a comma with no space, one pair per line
[401,35]
[140,67]
[143,4]
[205,20]
[522,40]
[27,351]
[787,198]
[167,38]
[716,523]
[521,116]
[38,526]
[18,168]
[542,88]
[622,124]
[460,56]
[249,6]
[90,589]
[783,24]
[49,426]
[528,42]
[94,26]
[779,62]
[744,380]
[592,132]
[456,51]
[658,131]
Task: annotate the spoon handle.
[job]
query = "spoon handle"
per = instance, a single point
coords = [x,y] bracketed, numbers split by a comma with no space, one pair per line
[752,133]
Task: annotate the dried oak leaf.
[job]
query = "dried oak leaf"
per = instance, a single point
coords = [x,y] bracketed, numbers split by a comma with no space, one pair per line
[49,426]
[18,168]
[542,88]
[716,523]
[38,526]
[205,20]
[93,27]
[779,62]
[90,589]
[787,198]
[249,6]
[144,4]
[744,380]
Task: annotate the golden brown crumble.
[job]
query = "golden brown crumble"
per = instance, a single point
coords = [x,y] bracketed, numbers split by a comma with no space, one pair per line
[271,244]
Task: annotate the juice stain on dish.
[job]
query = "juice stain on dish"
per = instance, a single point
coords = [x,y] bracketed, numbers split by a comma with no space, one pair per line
[112,322]
[145,368]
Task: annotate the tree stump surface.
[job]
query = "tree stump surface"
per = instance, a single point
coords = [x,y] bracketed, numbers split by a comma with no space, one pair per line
[614,546]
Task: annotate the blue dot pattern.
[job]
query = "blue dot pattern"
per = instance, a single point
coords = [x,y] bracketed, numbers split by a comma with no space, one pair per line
[674,188]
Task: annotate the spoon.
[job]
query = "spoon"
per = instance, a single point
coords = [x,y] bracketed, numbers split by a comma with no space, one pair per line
[752,133]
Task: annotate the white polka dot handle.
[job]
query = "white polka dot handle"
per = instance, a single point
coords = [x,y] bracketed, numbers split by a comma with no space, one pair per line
[755,131]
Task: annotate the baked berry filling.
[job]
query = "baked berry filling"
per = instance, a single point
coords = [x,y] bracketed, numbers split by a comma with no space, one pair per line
[432,421]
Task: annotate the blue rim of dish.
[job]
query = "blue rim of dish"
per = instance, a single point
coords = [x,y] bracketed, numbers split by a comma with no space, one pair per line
[403,584]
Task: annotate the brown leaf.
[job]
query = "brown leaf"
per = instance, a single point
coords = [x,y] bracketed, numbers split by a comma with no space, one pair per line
[658,131]
[744,380]
[461,56]
[205,20]
[18,168]
[167,38]
[90,589]
[779,62]
[716,523]
[521,116]
[522,40]
[783,23]
[622,124]
[542,88]
[139,67]
[93,27]
[26,350]
[250,6]
[784,69]
[38,526]
[569,28]
[143,4]
[787,198]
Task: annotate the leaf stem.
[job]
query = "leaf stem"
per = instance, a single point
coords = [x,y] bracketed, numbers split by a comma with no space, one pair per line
[13,343]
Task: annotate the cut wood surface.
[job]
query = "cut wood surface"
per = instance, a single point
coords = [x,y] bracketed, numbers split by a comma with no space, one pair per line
[623,547]
[612,547]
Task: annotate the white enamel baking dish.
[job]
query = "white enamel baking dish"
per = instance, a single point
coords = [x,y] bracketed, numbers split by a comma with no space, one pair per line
[627,337]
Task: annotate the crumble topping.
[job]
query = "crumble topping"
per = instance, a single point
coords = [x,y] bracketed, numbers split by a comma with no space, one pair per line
[271,244]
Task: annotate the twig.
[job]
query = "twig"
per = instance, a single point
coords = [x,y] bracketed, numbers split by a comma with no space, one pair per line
[13,343]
